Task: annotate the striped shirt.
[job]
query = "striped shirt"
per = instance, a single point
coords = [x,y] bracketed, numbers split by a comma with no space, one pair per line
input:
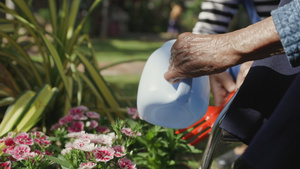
[216,15]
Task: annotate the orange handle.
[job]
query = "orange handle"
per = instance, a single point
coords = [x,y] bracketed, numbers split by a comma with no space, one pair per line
[226,100]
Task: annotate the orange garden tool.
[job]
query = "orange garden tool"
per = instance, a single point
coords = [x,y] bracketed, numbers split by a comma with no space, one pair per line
[204,126]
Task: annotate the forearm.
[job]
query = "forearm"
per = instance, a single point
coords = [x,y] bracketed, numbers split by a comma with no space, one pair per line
[257,41]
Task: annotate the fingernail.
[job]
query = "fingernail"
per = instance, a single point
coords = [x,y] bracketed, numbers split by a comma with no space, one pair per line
[174,80]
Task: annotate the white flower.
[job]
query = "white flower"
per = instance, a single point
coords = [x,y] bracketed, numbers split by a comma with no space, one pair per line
[87,165]
[105,139]
[76,134]
[112,135]
[91,137]
[65,151]
[84,144]
[69,145]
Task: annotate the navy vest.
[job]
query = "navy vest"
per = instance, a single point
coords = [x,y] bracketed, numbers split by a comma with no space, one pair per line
[265,114]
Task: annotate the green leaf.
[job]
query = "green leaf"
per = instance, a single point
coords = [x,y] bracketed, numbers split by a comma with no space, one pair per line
[61,161]
[24,54]
[38,105]
[91,86]
[78,29]
[58,64]
[101,84]
[72,17]
[6,77]
[14,111]
[23,6]
[53,15]
[6,101]
[68,98]
[62,28]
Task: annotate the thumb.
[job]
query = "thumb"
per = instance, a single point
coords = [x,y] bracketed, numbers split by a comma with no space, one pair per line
[170,76]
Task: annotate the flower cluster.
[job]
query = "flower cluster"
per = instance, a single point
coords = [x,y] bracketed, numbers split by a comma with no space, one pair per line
[133,113]
[24,148]
[92,150]
[81,119]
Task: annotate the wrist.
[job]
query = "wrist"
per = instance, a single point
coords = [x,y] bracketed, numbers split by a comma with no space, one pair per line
[256,41]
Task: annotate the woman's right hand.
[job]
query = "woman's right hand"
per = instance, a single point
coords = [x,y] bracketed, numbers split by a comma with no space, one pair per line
[197,55]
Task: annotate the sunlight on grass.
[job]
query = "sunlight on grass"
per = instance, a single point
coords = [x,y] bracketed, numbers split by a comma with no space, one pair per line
[127,84]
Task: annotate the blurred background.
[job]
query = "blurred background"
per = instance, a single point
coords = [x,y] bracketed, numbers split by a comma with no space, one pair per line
[116,18]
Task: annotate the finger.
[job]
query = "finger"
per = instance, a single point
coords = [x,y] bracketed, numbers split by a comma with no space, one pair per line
[219,98]
[172,77]
[239,80]
[244,69]
[227,82]
[218,92]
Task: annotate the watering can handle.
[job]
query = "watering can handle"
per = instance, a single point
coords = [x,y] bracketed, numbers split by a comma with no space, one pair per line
[184,90]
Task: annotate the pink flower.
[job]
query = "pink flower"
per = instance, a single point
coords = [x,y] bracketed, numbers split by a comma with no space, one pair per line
[23,138]
[55,126]
[39,134]
[21,152]
[5,165]
[102,129]
[119,151]
[37,141]
[65,120]
[78,110]
[8,150]
[76,126]
[87,165]
[103,154]
[129,132]
[94,123]
[37,152]
[8,141]
[33,154]
[93,115]
[133,112]
[79,117]
[45,143]
[48,153]
[126,163]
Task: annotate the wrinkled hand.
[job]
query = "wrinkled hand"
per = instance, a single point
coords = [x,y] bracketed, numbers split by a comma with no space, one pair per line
[221,84]
[197,55]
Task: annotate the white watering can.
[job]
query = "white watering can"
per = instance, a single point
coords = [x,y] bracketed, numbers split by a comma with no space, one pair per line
[170,105]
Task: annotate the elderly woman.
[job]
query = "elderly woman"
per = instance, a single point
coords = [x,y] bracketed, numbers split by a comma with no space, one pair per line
[266,111]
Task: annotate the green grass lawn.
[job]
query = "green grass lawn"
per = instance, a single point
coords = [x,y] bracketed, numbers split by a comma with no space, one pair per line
[115,50]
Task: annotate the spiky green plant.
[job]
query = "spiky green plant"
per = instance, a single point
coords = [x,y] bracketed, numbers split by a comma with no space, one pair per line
[57,66]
